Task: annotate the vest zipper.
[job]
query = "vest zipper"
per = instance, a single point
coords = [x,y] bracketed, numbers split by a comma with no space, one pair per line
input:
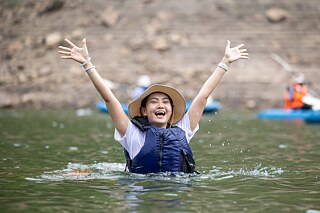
[160,151]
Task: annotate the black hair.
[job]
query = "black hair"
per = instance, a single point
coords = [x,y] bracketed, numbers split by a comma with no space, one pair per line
[144,101]
[144,104]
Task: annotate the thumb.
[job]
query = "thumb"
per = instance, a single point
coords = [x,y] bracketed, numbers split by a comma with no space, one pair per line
[228,44]
[84,41]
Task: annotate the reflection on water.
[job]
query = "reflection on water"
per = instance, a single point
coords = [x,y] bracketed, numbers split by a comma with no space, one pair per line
[60,162]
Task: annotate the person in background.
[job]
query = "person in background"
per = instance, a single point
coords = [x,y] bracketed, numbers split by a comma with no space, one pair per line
[143,83]
[295,92]
[156,135]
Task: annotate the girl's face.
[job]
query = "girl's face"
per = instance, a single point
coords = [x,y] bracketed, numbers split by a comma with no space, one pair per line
[158,109]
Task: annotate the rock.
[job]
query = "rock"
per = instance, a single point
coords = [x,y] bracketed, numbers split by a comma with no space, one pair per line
[49,6]
[109,17]
[250,104]
[161,44]
[108,37]
[176,38]
[22,78]
[53,40]
[293,57]
[45,71]
[136,43]
[77,34]
[27,98]
[163,16]
[6,101]
[13,48]
[153,29]
[276,14]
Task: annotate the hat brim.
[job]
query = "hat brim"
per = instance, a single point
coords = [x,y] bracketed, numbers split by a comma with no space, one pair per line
[179,103]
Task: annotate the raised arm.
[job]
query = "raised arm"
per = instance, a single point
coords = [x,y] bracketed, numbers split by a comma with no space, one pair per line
[196,109]
[81,55]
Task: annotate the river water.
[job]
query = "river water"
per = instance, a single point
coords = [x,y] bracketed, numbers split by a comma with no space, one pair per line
[63,161]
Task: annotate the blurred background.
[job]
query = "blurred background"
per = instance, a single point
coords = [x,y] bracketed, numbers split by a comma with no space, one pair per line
[174,42]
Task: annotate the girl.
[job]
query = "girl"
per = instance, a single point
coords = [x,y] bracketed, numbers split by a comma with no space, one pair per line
[157,133]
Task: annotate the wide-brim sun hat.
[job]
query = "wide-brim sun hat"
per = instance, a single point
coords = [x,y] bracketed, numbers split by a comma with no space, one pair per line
[179,103]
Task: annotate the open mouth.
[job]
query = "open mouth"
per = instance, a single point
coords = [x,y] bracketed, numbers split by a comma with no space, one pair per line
[160,113]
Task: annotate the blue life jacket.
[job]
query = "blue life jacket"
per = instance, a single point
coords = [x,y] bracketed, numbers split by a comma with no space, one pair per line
[164,150]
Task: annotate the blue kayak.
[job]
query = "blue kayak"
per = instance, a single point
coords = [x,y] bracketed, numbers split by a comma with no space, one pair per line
[210,108]
[282,114]
[313,117]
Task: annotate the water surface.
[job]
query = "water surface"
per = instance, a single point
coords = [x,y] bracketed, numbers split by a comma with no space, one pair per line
[59,161]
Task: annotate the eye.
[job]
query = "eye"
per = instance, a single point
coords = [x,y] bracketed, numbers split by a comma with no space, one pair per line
[166,101]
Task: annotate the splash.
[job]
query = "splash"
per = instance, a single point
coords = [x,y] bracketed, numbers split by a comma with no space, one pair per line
[258,171]
[76,171]
[83,172]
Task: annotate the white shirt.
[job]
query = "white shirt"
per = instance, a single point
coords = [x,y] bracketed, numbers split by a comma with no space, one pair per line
[134,138]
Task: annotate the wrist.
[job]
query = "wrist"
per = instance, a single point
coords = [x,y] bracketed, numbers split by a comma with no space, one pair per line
[223,66]
[225,61]
[86,62]
[89,64]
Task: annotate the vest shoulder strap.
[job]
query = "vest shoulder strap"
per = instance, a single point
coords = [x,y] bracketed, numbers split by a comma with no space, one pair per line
[140,122]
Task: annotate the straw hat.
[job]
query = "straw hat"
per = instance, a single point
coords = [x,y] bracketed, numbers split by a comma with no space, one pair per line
[179,103]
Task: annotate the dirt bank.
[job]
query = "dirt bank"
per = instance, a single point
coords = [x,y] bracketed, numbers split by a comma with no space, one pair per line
[173,42]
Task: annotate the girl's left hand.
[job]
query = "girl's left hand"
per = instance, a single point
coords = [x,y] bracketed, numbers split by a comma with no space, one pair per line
[235,53]
[79,54]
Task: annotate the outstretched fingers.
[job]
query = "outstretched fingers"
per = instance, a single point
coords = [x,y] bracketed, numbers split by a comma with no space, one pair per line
[244,55]
[64,48]
[243,52]
[235,53]
[228,44]
[239,46]
[65,52]
[65,57]
[69,42]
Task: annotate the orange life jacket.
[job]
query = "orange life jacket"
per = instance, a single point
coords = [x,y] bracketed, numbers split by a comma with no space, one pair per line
[293,96]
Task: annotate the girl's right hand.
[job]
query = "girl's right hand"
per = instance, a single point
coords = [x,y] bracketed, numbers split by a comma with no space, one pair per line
[235,53]
[79,54]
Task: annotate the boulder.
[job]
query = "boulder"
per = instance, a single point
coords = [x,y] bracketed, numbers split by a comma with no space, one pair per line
[53,40]
[276,14]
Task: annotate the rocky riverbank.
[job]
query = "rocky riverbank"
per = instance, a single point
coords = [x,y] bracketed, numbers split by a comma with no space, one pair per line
[173,42]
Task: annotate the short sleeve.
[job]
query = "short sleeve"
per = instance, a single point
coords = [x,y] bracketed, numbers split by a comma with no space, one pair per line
[184,124]
[132,141]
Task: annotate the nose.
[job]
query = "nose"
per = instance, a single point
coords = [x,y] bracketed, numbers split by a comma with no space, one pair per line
[160,105]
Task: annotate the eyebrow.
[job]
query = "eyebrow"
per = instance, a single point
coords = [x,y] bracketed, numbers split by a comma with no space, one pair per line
[159,98]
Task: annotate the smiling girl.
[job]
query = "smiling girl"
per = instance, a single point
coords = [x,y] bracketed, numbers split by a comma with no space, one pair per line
[157,133]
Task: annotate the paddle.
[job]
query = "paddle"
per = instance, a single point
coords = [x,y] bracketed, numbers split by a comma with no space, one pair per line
[287,67]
